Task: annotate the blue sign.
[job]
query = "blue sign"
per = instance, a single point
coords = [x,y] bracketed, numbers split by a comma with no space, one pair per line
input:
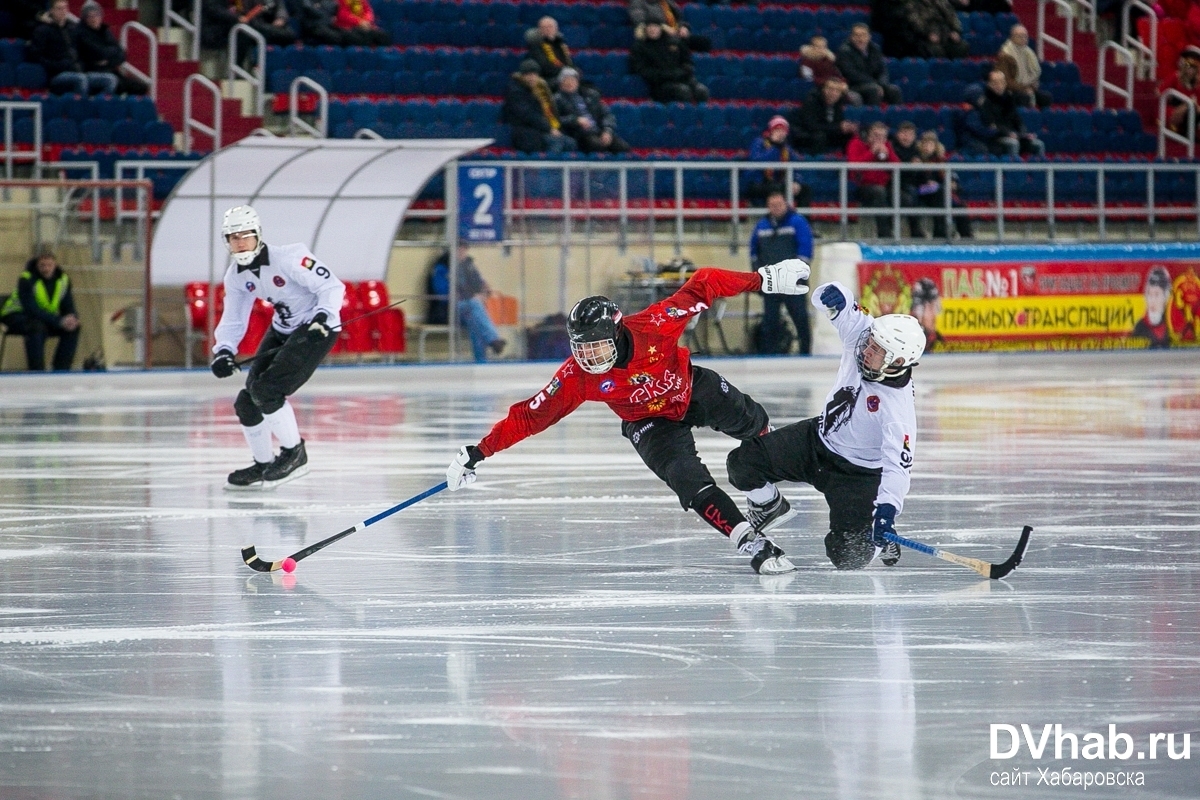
[481,204]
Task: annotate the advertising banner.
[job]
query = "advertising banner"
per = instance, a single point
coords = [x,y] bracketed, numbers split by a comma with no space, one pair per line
[1049,303]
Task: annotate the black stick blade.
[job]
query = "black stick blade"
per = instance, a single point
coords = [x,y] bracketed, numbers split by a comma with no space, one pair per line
[254,562]
[1000,570]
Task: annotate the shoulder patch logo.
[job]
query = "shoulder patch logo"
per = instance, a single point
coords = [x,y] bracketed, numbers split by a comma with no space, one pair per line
[250,287]
[278,280]
[639,378]
[553,387]
[308,263]
[607,385]
[872,403]
[906,456]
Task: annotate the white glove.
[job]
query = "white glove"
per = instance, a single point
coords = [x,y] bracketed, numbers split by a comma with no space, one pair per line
[785,277]
[461,471]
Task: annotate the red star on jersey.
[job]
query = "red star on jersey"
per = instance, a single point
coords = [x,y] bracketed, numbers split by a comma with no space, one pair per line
[651,349]
[658,319]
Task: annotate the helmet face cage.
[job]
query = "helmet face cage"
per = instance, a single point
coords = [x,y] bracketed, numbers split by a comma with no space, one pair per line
[595,357]
[242,219]
[899,338]
[592,329]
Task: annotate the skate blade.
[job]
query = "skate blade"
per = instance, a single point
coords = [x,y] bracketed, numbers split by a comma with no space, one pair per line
[775,523]
[779,565]
[776,583]
[298,472]
[253,487]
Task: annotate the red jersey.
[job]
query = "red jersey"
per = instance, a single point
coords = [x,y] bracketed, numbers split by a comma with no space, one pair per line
[657,381]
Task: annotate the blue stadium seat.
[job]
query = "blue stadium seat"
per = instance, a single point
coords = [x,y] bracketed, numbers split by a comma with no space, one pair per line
[362,113]
[452,112]
[435,82]
[405,83]
[8,74]
[654,116]
[339,112]
[127,132]
[60,130]
[331,59]
[30,76]
[12,51]
[95,131]
[346,82]
[390,112]
[157,132]
[344,130]
[376,82]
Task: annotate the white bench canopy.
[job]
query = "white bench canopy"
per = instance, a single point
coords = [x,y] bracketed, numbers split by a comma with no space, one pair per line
[344,198]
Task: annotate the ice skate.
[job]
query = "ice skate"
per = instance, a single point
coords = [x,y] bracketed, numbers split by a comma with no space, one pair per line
[766,558]
[890,555]
[291,463]
[767,517]
[249,479]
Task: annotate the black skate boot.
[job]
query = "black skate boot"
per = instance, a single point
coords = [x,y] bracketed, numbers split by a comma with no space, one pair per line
[291,463]
[766,558]
[890,555]
[772,515]
[248,479]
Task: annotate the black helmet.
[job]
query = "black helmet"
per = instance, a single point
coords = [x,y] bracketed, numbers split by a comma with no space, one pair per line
[592,327]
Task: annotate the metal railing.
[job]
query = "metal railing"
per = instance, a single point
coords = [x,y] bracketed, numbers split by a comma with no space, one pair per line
[257,79]
[151,76]
[11,153]
[1087,20]
[588,212]
[295,124]
[192,26]
[1066,44]
[1147,60]
[1103,85]
[1164,131]
[190,123]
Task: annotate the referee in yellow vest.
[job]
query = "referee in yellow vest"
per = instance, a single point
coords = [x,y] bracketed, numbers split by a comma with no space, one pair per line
[41,307]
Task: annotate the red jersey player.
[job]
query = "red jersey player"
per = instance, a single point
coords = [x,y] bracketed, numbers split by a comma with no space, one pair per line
[635,365]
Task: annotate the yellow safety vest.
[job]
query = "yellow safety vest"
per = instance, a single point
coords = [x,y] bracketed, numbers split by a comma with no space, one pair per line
[43,298]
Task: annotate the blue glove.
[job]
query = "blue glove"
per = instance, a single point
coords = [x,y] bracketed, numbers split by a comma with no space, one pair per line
[833,299]
[885,523]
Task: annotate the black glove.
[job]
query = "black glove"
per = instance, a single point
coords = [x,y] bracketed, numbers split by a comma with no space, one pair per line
[223,364]
[318,330]
[833,299]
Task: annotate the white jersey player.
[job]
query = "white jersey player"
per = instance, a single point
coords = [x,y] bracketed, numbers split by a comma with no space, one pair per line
[859,451]
[308,302]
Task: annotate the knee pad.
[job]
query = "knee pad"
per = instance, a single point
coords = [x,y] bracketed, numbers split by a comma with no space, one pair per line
[247,412]
[850,549]
[737,465]
[267,402]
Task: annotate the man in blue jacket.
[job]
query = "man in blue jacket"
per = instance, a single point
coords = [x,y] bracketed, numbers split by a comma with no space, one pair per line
[41,307]
[780,235]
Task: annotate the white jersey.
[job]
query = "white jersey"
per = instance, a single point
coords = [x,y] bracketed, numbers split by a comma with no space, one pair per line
[869,423]
[290,278]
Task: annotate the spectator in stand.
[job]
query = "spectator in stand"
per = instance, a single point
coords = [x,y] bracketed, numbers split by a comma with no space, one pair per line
[42,307]
[584,117]
[931,192]
[316,22]
[472,292]
[268,17]
[54,46]
[1021,69]
[998,112]
[25,16]
[820,126]
[548,48]
[99,50]
[356,20]
[528,109]
[669,15]
[872,187]
[861,62]
[931,30]
[904,145]
[780,235]
[773,146]
[1186,80]
[817,62]
[665,64]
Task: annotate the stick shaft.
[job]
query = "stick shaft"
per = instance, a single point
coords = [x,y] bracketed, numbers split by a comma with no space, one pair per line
[984,568]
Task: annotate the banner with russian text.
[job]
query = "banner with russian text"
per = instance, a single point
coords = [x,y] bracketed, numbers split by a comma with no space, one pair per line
[1055,301]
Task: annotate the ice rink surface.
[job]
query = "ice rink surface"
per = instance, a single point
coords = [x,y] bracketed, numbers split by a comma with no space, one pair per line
[562,629]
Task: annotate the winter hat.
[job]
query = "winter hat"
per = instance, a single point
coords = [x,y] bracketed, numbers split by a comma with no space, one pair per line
[1191,53]
[567,72]
[777,122]
[528,65]
[89,7]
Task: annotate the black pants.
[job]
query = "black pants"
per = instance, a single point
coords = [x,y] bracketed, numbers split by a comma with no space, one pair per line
[669,447]
[771,330]
[872,195]
[962,223]
[796,453]
[36,332]
[272,379]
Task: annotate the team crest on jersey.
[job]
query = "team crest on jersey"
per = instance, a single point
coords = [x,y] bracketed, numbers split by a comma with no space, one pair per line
[872,403]
[608,385]
[250,286]
[656,405]
[278,280]
[906,454]
[308,263]
[675,313]
[639,378]
[554,386]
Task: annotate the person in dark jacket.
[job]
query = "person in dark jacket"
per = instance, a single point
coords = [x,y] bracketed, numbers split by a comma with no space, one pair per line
[861,62]
[549,49]
[665,64]
[316,22]
[54,47]
[268,17]
[932,29]
[998,111]
[528,110]
[773,146]
[40,308]
[669,15]
[99,50]
[820,125]
[904,145]
[584,117]
[780,235]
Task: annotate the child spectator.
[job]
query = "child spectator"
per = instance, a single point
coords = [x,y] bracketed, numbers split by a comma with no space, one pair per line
[931,192]
[773,146]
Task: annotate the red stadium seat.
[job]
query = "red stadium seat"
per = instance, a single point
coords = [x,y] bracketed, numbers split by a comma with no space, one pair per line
[387,327]
[356,335]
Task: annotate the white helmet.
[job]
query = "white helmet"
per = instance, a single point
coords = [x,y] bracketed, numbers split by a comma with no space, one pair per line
[902,341]
[240,219]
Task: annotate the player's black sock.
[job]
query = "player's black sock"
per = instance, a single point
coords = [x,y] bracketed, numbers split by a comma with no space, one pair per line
[717,509]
